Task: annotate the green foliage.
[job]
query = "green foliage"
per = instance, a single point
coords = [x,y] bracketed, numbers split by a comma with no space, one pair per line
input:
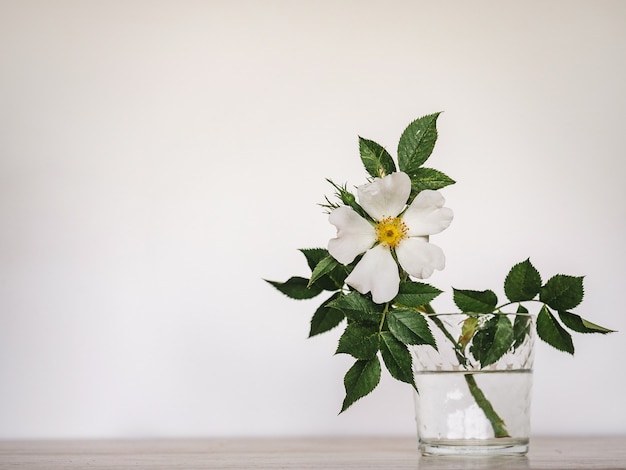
[374,328]
[521,326]
[325,266]
[492,340]
[326,272]
[474,301]
[417,143]
[523,282]
[360,380]
[297,288]
[397,358]
[562,292]
[325,318]
[314,256]
[410,327]
[551,331]
[360,341]
[427,178]
[576,323]
[416,294]
[358,308]
[376,159]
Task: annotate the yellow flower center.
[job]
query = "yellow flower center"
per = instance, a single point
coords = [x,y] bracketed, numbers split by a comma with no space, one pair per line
[390,231]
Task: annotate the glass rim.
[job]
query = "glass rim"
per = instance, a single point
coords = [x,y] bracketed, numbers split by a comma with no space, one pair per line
[450,314]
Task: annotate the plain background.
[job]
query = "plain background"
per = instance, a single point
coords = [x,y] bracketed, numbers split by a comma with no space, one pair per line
[158,159]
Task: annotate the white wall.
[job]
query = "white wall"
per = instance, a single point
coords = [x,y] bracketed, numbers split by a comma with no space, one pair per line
[158,159]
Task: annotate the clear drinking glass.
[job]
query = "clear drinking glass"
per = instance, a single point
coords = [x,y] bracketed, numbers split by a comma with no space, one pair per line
[474,398]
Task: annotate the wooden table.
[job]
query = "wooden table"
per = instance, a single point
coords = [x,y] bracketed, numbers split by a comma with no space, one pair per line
[302,454]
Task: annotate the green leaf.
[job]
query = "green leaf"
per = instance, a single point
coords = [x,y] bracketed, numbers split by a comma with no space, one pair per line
[415,294]
[358,308]
[360,380]
[410,327]
[521,326]
[339,274]
[474,301]
[492,340]
[428,178]
[360,341]
[417,143]
[314,256]
[523,282]
[296,288]
[562,292]
[551,331]
[376,159]
[325,318]
[330,281]
[577,323]
[397,358]
[325,266]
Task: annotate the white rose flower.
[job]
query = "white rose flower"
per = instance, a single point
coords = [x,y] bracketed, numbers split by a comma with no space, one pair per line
[405,230]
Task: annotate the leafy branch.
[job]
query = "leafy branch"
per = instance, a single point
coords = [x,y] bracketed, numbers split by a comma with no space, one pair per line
[374,332]
[523,284]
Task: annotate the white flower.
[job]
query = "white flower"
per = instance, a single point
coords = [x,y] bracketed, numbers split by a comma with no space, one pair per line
[405,230]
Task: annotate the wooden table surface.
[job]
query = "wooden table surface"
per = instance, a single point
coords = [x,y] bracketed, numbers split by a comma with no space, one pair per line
[299,453]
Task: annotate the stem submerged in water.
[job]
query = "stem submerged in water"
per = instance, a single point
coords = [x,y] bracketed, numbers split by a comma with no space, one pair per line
[497,423]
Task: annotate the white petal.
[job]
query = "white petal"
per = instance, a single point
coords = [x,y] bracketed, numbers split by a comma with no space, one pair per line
[426,214]
[420,258]
[354,235]
[386,196]
[377,272]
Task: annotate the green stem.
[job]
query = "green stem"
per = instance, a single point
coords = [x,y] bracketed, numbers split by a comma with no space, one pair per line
[497,423]
[382,318]
[457,347]
[500,307]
